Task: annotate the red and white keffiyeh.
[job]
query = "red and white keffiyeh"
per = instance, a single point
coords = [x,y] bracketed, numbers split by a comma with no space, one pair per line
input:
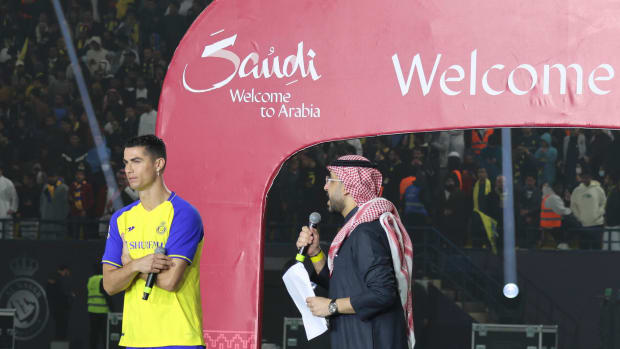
[364,185]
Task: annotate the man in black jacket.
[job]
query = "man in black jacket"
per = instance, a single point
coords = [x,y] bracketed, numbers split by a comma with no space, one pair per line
[369,302]
[451,213]
[60,297]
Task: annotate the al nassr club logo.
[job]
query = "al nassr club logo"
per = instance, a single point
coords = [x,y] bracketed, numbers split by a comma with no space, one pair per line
[27,297]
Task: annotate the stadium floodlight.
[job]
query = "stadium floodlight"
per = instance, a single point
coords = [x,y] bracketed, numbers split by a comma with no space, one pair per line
[511,290]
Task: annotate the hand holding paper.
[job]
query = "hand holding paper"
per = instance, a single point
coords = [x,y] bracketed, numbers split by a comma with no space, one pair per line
[299,288]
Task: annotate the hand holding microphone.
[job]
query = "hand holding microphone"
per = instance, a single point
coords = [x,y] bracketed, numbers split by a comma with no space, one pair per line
[152,278]
[308,241]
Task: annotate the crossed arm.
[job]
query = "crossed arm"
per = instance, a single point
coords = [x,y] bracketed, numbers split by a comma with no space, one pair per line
[169,272]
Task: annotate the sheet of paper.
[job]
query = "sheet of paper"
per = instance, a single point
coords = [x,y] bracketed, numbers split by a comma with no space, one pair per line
[298,286]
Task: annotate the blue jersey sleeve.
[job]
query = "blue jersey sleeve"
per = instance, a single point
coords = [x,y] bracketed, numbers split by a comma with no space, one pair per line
[113,245]
[186,233]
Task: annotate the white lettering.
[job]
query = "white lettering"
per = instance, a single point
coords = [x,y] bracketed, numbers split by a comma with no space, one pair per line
[217,50]
[562,70]
[425,84]
[485,82]
[250,65]
[443,80]
[251,57]
[606,73]
[511,82]
[252,96]
[592,79]
[472,75]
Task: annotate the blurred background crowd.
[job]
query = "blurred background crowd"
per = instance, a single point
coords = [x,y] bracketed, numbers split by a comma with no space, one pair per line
[48,163]
[564,182]
[52,185]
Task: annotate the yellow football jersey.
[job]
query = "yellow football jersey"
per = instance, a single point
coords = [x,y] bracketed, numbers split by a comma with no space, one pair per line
[166,318]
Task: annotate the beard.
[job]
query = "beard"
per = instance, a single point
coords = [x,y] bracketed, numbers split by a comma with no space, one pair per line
[335,204]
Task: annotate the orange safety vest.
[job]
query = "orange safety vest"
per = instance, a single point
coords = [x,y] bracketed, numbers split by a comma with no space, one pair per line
[548,218]
[460,178]
[478,144]
[404,184]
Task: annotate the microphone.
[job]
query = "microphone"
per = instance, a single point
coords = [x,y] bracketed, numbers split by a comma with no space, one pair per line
[150,280]
[314,220]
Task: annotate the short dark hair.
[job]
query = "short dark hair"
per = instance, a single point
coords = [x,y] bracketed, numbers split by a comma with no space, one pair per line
[153,145]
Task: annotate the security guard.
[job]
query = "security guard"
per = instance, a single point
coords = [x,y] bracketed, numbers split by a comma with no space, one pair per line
[98,308]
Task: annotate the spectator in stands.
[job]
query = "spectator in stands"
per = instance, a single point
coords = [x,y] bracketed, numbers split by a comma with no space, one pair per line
[130,123]
[112,102]
[356,143]
[485,213]
[597,150]
[54,205]
[419,166]
[546,155]
[469,171]
[480,139]
[147,118]
[554,217]
[528,198]
[588,204]
[59,85]
[498,200]
[43,30]
[611,236]
[451,214]
[311,180]
[415,198]
[60,108]
[491,157]
[174,25]
[523,163]
[29,193]
[72,155]
[394,171]
[444,143]
[527,139]
[96,57]
[574,152]
[82,200]
[9,202]
[611,164]
[129,65]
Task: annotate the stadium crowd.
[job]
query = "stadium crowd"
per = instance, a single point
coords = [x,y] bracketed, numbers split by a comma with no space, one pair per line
[564,179]
[565,184]
[50,170]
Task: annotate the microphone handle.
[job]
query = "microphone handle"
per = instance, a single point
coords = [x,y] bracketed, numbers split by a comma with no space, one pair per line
[302,250]
[150,281]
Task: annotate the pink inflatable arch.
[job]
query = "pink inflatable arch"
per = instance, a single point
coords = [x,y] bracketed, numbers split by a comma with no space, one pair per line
[254,81]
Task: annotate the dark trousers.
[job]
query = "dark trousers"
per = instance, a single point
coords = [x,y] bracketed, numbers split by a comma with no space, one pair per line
[61,320]
[98,331]
[591,237]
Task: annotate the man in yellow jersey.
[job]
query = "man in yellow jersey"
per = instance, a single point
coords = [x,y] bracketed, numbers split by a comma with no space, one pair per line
[172,316]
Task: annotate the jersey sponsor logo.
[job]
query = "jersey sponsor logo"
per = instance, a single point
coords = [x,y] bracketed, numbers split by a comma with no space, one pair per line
[161,228]
[145,245]
[27,297]
[131,228]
